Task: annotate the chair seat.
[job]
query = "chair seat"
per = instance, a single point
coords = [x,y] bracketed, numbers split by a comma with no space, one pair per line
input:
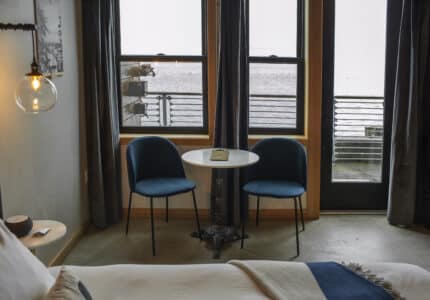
[164,186]
[274,188]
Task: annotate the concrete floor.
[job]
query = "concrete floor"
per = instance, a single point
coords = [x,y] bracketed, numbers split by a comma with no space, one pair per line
[357,171]
[349,238]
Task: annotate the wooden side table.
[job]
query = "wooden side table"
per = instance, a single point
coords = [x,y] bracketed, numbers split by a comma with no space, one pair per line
[58,230]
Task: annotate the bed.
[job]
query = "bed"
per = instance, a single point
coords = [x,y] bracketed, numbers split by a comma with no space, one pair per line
[236,280]
[24,277]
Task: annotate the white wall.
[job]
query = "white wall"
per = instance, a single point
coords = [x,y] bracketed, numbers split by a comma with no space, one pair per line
[40,161]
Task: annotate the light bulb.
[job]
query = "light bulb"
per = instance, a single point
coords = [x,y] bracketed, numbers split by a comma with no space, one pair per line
[35,82]
[35,94]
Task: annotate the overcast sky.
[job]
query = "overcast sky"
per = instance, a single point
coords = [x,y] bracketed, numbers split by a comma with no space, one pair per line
[360,47]
[174,27]
[161,26]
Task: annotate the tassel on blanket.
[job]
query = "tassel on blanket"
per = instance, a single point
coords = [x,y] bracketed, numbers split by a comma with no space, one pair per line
[368,275]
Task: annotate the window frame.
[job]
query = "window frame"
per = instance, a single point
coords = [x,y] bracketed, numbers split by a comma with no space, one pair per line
[203,59]
[299,61]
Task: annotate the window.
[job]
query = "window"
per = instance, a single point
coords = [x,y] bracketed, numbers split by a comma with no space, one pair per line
[163,66]
[358,90]
[276,70]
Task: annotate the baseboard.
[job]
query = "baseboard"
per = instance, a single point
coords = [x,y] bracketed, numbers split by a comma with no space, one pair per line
[354,212]
[188,213]
[68,246]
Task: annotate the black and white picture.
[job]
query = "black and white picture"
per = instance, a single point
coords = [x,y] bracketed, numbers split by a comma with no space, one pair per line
[48,14]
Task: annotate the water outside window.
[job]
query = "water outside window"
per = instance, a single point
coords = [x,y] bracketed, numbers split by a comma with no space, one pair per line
[273,95]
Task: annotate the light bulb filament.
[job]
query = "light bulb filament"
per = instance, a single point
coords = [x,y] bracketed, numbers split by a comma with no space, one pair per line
[35,104]
[35,82]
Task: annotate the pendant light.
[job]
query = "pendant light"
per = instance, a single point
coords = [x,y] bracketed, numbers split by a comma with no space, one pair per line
[35,92]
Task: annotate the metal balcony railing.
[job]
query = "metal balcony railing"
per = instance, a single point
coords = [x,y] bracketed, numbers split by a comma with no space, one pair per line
[186,110]
[358,128]
[167,110]
[272,111]
[358,121]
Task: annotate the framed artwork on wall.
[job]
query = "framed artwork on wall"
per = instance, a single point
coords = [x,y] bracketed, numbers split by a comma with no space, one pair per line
[49,22]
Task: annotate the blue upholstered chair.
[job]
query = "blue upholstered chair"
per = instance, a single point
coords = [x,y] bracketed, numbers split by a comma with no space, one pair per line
[280,173]
[155,170]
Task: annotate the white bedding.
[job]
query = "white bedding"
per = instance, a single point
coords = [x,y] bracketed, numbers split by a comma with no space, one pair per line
[226,281]
[411,281]
[210,281]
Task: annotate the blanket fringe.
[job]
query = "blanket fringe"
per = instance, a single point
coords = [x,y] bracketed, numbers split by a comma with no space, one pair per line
[379,281]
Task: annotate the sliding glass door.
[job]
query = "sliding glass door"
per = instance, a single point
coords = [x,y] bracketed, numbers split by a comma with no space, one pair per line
[355,124]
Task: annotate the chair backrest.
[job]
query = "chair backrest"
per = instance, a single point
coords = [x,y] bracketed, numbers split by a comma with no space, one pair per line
[151,157]
[280,159]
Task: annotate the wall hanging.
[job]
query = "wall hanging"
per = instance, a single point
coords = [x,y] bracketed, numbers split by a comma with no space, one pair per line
[49,36]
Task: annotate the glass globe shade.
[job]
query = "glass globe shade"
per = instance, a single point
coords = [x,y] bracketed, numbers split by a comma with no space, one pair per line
[35,94]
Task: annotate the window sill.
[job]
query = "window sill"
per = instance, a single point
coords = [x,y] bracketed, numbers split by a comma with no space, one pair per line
[179,139]
[254,138]
[203,139]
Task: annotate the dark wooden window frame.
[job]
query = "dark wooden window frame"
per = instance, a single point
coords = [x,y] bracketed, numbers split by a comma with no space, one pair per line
[169,58]
[299,61]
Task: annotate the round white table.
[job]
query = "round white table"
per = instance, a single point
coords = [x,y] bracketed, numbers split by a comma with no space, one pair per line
[237,158]
[56,232]
[219,233]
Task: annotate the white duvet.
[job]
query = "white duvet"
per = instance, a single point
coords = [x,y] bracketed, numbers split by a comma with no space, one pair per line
[227,281]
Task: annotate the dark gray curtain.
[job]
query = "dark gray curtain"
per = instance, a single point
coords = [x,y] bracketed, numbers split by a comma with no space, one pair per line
[231,124]
[100,47]
[409,190]
[1,206]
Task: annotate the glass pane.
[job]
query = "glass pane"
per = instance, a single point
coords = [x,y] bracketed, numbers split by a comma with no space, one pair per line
[359,90]
[360,47]
[171,27]
[273,28]
[273,100]
[168,94]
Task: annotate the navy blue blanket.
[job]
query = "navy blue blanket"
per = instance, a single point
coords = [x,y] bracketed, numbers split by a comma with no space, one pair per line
[340,283]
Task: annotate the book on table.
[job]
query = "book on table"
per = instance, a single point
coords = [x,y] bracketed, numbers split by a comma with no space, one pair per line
[219,155]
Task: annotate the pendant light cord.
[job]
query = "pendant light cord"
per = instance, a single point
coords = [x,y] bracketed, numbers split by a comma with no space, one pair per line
[33,41]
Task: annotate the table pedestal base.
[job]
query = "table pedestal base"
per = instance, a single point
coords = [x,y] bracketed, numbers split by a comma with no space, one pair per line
[217,235]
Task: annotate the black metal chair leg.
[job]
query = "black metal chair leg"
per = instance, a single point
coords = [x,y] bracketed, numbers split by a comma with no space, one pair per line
[257,217]
[197,215]
[301,213]
[297,227]
[167,209]
[152,228]
[243,236]
[128,215]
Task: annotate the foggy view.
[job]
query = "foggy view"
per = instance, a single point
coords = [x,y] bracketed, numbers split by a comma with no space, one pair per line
[174,27]
[359,67]
[174,79]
